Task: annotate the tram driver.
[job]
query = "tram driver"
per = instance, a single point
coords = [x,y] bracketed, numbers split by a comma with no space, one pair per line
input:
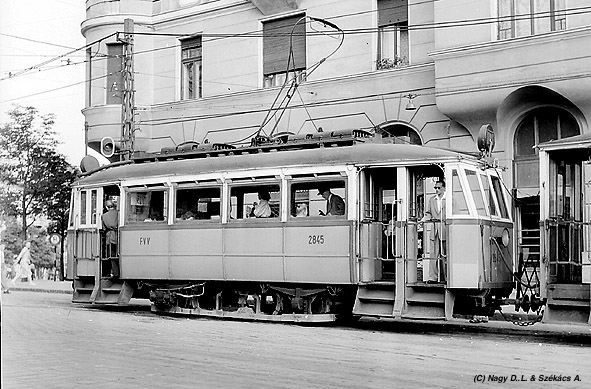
[435,213]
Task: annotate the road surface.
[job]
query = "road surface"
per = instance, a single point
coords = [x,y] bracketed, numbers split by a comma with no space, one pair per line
[47,342]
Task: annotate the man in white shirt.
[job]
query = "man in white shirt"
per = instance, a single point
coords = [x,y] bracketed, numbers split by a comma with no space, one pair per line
[435,212]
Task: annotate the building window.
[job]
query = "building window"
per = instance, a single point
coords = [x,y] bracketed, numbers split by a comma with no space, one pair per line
[277,53]
[191,63]
[530,17]
[393,45]
[115,73]
[402,134]
[540,125]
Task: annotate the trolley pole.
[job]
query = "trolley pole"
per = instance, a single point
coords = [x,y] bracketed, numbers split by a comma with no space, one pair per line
[128,98]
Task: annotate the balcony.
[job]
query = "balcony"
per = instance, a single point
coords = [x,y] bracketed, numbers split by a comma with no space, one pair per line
[477,77]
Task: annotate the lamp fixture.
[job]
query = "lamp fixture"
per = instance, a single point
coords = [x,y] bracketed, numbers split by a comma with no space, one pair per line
[410,105]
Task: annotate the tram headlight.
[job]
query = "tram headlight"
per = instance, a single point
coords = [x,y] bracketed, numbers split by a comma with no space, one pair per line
[505,238]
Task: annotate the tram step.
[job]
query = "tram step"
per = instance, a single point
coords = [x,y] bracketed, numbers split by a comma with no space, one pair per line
[374,293]
[373,308]
[424,314]
[114,293]
[425,298]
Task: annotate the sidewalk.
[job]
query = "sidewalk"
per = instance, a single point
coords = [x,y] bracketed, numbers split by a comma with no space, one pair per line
[496,324]
[45,286]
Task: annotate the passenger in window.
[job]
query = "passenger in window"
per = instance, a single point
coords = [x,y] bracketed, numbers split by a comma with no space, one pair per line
[155,216]
[301,210]
[188,216]
[435,212]
[262,208]
[335,205]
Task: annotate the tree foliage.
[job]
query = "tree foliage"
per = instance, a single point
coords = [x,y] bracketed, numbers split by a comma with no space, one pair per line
[36,178]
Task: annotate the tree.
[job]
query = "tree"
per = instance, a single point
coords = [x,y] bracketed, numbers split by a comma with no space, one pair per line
[36,178]
[22,141]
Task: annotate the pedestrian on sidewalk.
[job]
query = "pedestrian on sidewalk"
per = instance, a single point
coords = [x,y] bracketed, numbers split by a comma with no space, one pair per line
[5,287]
[23,265]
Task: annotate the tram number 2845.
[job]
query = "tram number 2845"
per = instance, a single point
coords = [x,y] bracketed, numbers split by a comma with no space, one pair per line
[315,239]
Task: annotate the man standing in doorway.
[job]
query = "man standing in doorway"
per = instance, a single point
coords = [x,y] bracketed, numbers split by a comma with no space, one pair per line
[435,212]
[110,221]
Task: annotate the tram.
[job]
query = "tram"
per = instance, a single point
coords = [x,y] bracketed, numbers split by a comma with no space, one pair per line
[188,239]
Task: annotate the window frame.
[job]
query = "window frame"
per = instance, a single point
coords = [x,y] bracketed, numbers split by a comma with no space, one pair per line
[187,45]
[114,78]
[212,219]
[274,72]
[147,188]
[265,183]
[392,20]
[507,25]
[315,182]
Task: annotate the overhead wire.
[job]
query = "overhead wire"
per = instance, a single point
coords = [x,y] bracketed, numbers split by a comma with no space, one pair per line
[257,34]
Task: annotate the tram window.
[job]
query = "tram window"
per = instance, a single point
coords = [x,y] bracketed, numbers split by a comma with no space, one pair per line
[93,202]
[147,206]
[458,198]
[488,196]
[500,198]
[72,210]
[255,201]
[474,184]
[197,204]
[305,199]
[83,212]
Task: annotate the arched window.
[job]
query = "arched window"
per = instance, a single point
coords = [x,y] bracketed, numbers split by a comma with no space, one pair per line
[402,133]
[540,125]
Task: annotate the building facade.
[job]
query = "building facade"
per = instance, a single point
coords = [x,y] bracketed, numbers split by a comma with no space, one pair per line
[210,70]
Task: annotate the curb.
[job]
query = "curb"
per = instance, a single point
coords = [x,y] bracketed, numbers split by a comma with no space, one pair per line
[39,290]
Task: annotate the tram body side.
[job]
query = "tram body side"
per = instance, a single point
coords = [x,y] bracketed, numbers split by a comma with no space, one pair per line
[269,251]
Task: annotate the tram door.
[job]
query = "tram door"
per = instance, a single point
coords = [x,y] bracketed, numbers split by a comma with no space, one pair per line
[380,211]
[83,234]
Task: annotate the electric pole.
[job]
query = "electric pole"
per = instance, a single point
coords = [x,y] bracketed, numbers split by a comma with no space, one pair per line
[128,100]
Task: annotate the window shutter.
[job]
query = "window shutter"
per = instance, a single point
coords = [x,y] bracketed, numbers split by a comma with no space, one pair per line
[276,35]
[392,12]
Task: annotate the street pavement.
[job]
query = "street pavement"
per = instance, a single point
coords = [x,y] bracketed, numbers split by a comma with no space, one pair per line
[499,323]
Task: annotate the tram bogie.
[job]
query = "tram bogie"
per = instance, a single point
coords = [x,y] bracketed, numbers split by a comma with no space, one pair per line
[342,232]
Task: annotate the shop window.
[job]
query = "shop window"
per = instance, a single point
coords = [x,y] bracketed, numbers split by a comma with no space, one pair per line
[255,202]
[284,54]
[147,206]
[197,204]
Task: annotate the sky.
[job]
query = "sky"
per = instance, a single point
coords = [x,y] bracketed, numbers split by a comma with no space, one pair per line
[33,32]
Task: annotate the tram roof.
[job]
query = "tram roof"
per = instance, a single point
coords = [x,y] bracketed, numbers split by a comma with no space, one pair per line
[574,142]
[358,154]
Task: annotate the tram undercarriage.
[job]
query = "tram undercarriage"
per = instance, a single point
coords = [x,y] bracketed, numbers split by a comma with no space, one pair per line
[255,301]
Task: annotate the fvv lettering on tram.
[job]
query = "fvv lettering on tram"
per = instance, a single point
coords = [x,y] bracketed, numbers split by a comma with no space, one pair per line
[144,241]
